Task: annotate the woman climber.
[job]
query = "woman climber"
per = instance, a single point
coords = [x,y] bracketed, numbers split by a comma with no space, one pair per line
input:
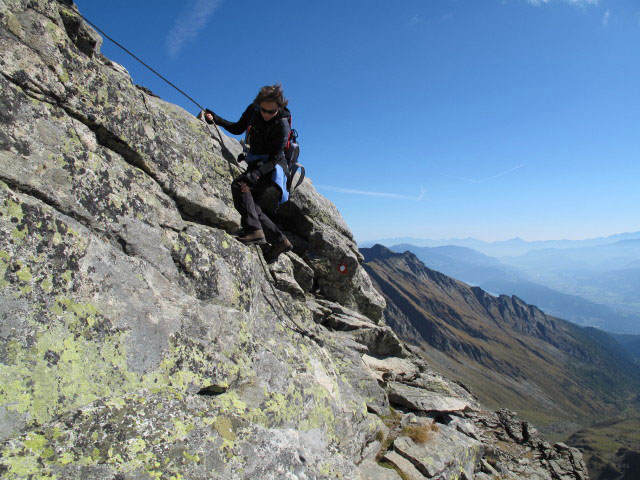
[266,122]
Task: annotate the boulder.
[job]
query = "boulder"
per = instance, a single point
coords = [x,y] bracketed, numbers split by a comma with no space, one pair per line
[424,401]
[390,368]
[516,429]
[370,470]
[169,435]
[404,466]
[284,277]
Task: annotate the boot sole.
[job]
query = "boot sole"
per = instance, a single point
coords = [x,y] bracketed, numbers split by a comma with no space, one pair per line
[260,241]
[271,258]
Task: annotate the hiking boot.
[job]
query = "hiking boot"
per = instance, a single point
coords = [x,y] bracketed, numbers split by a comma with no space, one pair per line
[253,238]
[274,252]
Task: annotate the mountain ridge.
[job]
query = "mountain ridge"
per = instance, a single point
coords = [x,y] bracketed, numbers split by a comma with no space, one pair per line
[616,287]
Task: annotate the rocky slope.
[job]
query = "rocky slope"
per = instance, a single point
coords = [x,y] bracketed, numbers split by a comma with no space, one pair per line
[511,354]
[139,340]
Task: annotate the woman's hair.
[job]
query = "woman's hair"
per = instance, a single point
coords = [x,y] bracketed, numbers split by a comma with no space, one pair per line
[271,93]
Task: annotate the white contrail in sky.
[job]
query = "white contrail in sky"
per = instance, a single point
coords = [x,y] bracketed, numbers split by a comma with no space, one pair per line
[374,194]
[480,180]
[189,23]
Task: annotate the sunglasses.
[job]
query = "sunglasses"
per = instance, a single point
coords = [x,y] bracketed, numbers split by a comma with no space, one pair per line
[269,112]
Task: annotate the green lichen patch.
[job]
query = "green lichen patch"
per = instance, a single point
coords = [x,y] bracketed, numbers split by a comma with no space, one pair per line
[188,172]
[40,247]
[159,434]
[13,210]
[13,24]
[4,266]
[44,363]
[50,376]
[188,362]
[224,427]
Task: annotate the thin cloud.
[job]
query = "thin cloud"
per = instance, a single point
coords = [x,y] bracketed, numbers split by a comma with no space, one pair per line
[577,3]
[396,196]
[190,22]
[605,19]
[421,20]
[492,177]
[416,20]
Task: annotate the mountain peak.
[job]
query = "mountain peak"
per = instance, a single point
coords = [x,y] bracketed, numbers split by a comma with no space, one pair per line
[380,252]
[377,251]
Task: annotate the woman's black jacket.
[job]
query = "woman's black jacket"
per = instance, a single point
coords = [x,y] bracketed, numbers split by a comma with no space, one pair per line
[266,138]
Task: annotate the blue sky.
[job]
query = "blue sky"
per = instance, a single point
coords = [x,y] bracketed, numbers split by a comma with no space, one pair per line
[433,119]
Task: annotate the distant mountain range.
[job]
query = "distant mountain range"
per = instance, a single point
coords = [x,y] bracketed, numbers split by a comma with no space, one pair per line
[556,374]
[588,285]
[503,248]
[611,256]
[462,263]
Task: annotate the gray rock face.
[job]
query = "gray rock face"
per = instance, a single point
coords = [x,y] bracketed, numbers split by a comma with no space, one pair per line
[370,470]
[138,338]
[403,465]
[425,401]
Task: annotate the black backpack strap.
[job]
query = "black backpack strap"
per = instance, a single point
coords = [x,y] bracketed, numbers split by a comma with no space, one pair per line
[247,135]
[296,167]
[285,168]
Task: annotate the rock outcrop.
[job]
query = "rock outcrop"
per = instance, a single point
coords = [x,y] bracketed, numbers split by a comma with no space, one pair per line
[139,340]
